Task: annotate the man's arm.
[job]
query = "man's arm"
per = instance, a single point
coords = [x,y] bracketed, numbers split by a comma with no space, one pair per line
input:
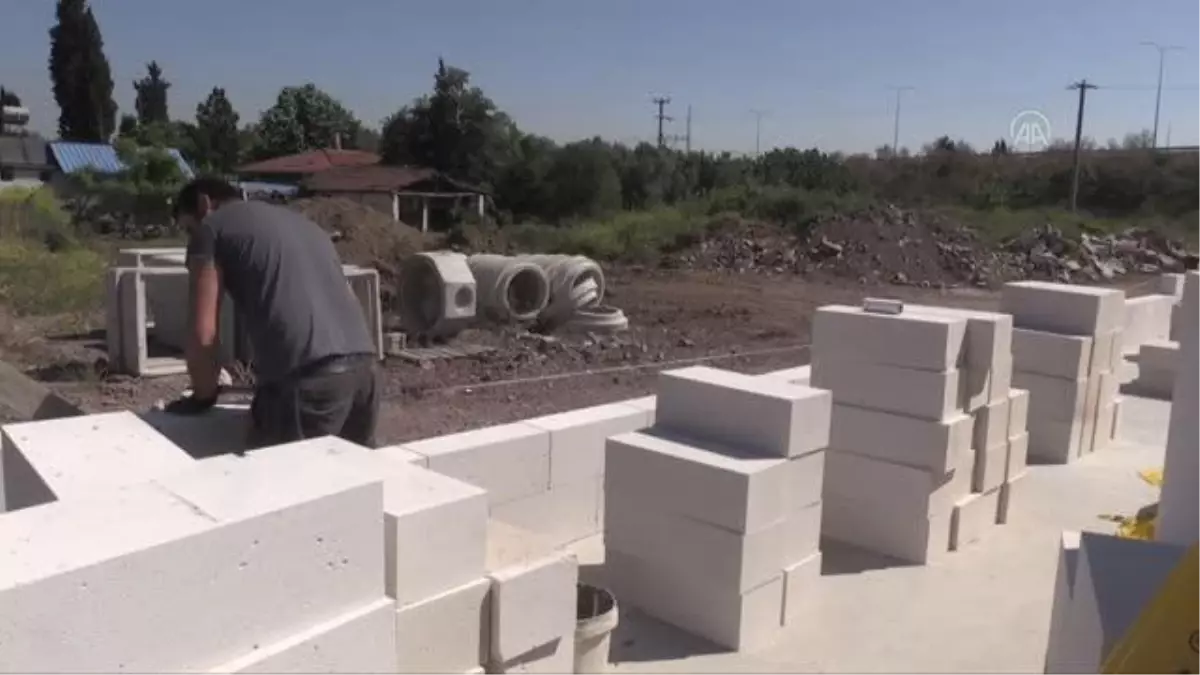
[204,304]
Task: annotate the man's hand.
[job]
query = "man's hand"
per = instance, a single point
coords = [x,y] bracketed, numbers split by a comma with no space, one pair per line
[190,405]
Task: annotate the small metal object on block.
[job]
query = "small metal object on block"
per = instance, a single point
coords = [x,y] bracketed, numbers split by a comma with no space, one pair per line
[882,306]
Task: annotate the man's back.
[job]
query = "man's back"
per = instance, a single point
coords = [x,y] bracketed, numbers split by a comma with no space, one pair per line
[286,280]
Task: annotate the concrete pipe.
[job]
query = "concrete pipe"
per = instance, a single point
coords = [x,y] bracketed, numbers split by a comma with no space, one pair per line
[438,295]
[510,290]
[576,282]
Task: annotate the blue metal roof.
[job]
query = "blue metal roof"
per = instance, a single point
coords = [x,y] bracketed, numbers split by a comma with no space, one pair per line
[258,187]
[72,157]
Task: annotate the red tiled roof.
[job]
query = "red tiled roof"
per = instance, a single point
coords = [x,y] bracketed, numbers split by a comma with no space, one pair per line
[313,161]
[382,178]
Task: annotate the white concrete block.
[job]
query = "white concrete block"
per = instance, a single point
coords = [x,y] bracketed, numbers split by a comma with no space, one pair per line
[702,552]
[1052,398]
[1054,441]
[741,493]
[223,429]
[802,534]
[532,604]
[1118,353]
[975,388]
[567,512]
[991,425]
[434,527]
[1102,431]
[740,621]
[924,394]
[1062,308]
[805,480]
[1159,355]
[1090,409]
[1104,345]
[510,461]
[1170,284]
[750,413]
[869,525]
[362,640]
[1018,412]
[901,489]
[509,545]
[988,340]
[1059,645]
[797,375]
[1014,485]
[974,516]
[1018,456]
[990,467]
[1043,353]
[1116,422]
[919,443]
[231,554]
[74,456]
[553,658]
[447,633]
[1178,514]
[1153,383]
[1000,380]
[917,340]
[646,403]
[799,581]
[577,439]
[400,453]
[1146,318]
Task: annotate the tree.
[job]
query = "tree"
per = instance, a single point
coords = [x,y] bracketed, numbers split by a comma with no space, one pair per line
[1000,147]
[79,71]
[217,145]
[151,99]
[9,98]
[1138,140]
[584,181]
[304,118]
[128,125]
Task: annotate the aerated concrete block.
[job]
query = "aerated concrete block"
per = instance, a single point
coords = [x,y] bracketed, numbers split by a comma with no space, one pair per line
[1051,354]
[924,394]
[911,339]
[1012,485]
[1054,441]
[223,429]
[447,633]
[399,453]
[577,439]
[566,513]
[362,640]
[919,443]
[649,404]
[553,658]
[510,461]
[72,457]
[1090,408]
[1102,432]
[702,552]
[907,491]
[990,467]
[1170,284]
[1159,355]
[802,534]
[746,412]
[1062,308]
[987,366]
[870,525]
[742,493]
[797,375]
[799,581]
[1053,398]
[991,425]
[805,480]
[739,621]
[1061,642]
[532,604]
[974,515]
[1146,318]
[1104,345]
[1018,412]
[190,571]
[1018,457]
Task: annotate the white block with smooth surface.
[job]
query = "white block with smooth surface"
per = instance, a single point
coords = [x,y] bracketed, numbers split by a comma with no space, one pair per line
[916,340]
[1052,354]
[1104,346]
[1053,398]
[1179,520]
[924,394]
[988,339]
[991,425]
[901,439]
[532,604]
[799,587]
[870,525]
[568,512]
[1017,458]
[1018,412]
[903,489]
[741,493]
[805,480]
[74,456]
[552,658]
[510,461]
[1062,308]
[802,534]
[1013,486]
[1146,318]
[750,413]
[974,516]
[1054,441]
[447,633]
[577,439]
[990,467]
[362,640]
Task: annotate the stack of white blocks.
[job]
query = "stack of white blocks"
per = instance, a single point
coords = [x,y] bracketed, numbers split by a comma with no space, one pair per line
[713,517]
[1066,351]
[1156,368]
[1179,515]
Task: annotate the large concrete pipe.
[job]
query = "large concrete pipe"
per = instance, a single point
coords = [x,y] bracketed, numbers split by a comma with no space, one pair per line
[576,283]
[510,290]
[438,295]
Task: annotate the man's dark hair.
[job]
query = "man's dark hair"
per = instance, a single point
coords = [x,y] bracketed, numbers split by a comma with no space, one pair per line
[216,189]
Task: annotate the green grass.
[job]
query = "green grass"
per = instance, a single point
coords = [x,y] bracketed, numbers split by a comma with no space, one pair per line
[36,281]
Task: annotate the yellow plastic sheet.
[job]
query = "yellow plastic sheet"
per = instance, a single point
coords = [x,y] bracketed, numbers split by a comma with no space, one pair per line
[1164,638]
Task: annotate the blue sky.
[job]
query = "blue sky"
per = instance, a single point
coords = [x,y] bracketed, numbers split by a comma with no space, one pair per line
[572,68]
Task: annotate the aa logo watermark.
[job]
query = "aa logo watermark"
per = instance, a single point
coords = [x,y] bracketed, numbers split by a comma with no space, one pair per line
[1029,130]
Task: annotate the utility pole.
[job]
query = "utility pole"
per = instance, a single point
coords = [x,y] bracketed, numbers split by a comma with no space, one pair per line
[896,123]
[1162,55]
[758,115]
[661,102]
[687,143]
[1082,86]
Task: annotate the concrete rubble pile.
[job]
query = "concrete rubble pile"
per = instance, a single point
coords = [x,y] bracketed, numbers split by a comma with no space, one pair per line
[731,551]
[924,451]
[1067,353]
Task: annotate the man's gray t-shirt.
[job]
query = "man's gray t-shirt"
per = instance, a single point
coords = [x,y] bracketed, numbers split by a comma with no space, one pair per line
[287,284]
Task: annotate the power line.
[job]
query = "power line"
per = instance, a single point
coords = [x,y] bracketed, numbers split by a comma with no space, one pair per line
[1162,56]
[661,102]
[758,115]
[1082,86]
[896,123]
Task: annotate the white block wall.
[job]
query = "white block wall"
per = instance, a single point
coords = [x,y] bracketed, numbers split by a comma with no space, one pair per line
[1178,518]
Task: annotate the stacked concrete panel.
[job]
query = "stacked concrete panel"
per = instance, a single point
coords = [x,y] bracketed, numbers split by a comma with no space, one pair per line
[900,438]
[1147,319]
[1179,520]
[1157,363]
[732,470]
[261,564]
[1066,351]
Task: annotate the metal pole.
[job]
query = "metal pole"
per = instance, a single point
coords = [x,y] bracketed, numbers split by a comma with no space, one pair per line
[896,123]
[1162,57]
[1082,86]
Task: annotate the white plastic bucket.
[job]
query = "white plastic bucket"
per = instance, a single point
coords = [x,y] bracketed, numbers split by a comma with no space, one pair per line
[596,619]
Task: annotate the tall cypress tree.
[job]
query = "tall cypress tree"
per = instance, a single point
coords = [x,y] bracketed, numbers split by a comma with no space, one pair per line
[151,101]
[80,74]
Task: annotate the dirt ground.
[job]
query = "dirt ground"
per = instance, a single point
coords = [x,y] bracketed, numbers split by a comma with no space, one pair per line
[748,322]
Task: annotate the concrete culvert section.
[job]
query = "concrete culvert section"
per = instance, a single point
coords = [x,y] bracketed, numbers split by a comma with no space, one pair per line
[575,282]
[510,290]
[437,293]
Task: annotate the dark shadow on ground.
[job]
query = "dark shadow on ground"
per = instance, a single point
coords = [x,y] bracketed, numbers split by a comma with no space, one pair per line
[838,558]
